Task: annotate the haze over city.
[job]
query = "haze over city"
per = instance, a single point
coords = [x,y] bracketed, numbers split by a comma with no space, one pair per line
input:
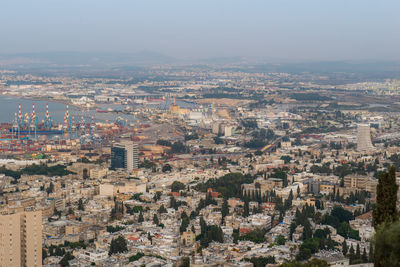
[305,30]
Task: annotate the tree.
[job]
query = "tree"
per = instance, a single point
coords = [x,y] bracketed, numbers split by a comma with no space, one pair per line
[85,173]
[280,240]
[310,263]
[177,186]
[166,168]
[229,185]
[50,189]
[358,252]
[387,245]
[162,209]
[203,225]
[304,254]
[257,236]
[118,245]
[136,257]
[351,254]
[261,261]
[140,219]
[288,201]
[224,208]
[386,197]
[80,204]
[155,220]
[292,229]
[211,233]
[44,254]
[70,211]
[64,261]
[185,222]
[344,247]
[157,196]
[286,159]
[246,210]
[185,262]
[364,256]
[371,256]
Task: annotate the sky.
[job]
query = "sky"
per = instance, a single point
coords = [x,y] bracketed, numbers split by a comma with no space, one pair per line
[194,29]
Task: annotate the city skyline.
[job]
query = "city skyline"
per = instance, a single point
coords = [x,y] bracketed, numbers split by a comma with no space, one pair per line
[199,133]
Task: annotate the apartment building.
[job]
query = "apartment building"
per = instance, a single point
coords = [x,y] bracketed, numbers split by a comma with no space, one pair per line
[21,239]
[358,182]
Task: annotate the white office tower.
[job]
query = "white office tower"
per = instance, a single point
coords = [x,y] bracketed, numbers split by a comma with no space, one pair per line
[228,131]
[125,155]
[364,138]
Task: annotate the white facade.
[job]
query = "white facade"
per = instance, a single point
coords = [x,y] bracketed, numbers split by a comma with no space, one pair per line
[95,256]
[364,138]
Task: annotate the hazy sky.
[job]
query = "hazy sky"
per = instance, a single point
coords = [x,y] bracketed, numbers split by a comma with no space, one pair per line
[296,29]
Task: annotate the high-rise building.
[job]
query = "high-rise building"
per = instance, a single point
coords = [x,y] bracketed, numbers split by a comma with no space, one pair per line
[124,155]
[228,131]
[364,138]
[21,239]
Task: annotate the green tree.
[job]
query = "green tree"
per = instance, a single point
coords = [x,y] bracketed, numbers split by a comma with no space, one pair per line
[162,209]
[157,196]
[387,245]
[364,256]
[136,257]
[50,189]
[229,185]
[203,225]
[85,173]
[304,254]
[344,247]
[286,159]
[141,218]
[371,256]
[280,240]
[351,254]
[64,262]
[184,224]
[177,186]
[261,261]
[185,262]
[155,220]
[258,153]
[224,208]
[246,209]
[386,197]
[80,204]
[166,168]
[118,245]
[44,254]
[311,263]
[257,236]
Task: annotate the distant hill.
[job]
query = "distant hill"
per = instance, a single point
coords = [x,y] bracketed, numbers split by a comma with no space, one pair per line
[78,59]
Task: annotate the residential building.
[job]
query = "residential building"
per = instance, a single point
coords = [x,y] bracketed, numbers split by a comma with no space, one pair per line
[21,239]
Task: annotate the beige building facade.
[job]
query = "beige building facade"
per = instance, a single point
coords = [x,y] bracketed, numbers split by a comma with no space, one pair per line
[21,239]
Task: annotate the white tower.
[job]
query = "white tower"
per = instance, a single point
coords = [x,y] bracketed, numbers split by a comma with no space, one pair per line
[364,138]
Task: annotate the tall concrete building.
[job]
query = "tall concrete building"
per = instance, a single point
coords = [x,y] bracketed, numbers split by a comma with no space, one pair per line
[124,155]
[228,131]
[364,138]
[21,239]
